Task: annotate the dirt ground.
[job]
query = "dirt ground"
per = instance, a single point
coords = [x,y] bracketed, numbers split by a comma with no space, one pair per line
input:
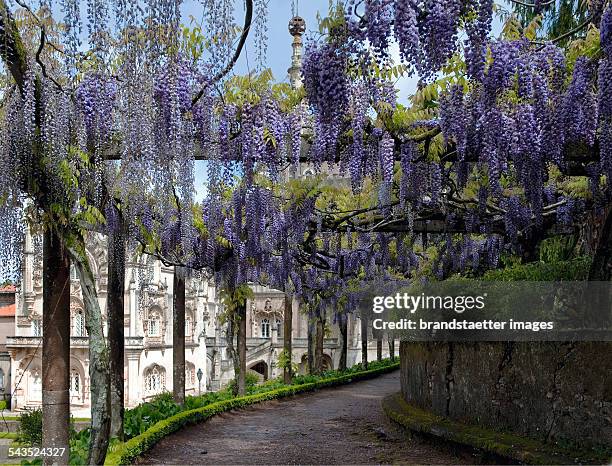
[343,425]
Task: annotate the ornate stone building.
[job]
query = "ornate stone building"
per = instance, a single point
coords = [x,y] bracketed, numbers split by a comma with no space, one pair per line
[265,340]
[148,336]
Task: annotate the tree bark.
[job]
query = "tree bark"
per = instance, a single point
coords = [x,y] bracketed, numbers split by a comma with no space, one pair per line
[343,317]
[364,342]
[320,327]
[287,328]
[242,349]
[601,267]
[56,348]
[391,341]
[379,346]
[311,337]
[116,341]
[178,336]
[231,349]
[343,326]
[99,364]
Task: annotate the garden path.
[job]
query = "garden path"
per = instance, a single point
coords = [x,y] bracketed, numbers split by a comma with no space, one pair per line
[343,425]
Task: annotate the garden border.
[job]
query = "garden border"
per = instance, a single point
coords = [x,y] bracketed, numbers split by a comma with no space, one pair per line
[127,452]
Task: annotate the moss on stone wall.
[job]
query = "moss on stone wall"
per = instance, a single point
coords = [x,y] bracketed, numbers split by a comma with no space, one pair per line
[554,392]
[511,446]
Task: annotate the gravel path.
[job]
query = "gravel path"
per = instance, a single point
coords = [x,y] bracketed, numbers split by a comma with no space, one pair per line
[343,425]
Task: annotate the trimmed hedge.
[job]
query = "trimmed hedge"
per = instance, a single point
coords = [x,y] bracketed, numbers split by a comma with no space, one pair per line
[126,453]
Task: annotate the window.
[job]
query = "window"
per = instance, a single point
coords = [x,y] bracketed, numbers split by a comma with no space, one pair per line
[265,328]
[73,273]
[154,324]
[154,380]
[75,383]
[37,328]
[190,375]
[78,324]
[279,327]
[153,328]
[35,385]
[1,379]
[188,328]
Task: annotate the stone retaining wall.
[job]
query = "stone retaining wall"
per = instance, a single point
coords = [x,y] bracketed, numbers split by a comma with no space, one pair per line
[546,390]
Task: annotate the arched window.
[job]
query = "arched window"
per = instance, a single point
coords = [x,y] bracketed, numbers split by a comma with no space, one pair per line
[75,384]
[37,327]
[155,379]
[265,328]
[73,273]
[1,379]
[190,375]
[154,324]
[279,327]
[78,324]
[35,385]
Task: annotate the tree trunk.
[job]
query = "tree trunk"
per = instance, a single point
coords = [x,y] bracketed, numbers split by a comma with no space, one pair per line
[343,316]
[116,342]
[320,327]
[391,342]
[379,346]
[242,349]
[343,326]
[99,365]
[364,342]
[287,327]
[231,349]
[56,348]
[601,267]
[178,336]
[311,345]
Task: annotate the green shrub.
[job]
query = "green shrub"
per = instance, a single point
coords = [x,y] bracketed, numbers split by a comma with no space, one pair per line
[285,362]
[2,404]
[573,269]
[79,446]
[30,427]
[193,402]
[250,380]
[140,418]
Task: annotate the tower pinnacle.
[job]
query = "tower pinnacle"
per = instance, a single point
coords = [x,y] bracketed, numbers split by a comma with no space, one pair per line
[297,27]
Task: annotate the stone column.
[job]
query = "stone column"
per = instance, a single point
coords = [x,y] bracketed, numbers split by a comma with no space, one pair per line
[133,377]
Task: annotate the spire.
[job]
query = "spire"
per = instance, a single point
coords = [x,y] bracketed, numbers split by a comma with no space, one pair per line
[297,27]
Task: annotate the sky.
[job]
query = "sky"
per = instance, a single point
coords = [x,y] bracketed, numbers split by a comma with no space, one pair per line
[279,39]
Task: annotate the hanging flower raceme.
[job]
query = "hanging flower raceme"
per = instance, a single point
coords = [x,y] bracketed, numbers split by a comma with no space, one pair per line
[96,98]
[327,90]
